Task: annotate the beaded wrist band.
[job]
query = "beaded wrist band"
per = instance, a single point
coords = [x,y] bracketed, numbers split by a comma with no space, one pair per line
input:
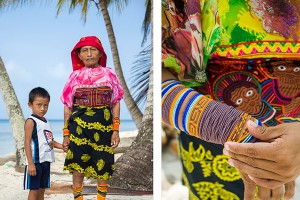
[116,124]
[202,117]
[116,120]
[66,131]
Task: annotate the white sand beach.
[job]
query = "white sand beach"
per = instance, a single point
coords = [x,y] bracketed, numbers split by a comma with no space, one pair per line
[11,181]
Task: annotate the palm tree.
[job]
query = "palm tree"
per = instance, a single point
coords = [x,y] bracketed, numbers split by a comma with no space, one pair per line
[134,110]
[134,169]
[15,113]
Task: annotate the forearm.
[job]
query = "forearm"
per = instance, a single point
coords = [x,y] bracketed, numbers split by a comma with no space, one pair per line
[202,117]
[28,153]
[57,145]
[67,113]
[116,110]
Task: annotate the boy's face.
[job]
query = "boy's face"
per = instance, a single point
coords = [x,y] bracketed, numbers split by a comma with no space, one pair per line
[39,106]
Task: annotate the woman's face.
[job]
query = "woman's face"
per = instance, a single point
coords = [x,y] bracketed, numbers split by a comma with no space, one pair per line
[90,56]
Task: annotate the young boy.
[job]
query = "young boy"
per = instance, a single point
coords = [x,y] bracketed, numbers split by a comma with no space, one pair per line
[39,143]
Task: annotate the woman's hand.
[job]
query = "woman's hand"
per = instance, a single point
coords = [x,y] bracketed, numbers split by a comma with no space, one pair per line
[66,143]
[287,191]
[115,139]
[269,164]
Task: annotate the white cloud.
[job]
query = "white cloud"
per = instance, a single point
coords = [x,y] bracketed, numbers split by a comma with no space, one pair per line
[18,72]
[59,71]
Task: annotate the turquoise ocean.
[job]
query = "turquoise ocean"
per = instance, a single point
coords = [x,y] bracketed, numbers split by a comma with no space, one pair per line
[7,144]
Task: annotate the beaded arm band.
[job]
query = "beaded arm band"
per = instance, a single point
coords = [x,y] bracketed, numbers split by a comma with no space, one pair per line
[116,124]
[202,117]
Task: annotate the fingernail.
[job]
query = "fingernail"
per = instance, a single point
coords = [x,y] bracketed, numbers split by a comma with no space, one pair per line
[225,152]
[227,145]
[230,163]
[250,177]
[252,123]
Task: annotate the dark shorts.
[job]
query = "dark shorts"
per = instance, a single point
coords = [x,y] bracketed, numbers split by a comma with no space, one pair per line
[42,178]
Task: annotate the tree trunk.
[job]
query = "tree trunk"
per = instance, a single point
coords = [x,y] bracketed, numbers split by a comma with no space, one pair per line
[134,169]
[134,110]
[15,113]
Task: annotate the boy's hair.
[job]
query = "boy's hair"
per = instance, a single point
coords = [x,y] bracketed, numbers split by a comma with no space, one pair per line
[38,92]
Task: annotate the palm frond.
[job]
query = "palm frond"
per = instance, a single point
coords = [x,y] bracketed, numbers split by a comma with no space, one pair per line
[140,72]
[13,4]
[83,4]
[119,5]
[147,21]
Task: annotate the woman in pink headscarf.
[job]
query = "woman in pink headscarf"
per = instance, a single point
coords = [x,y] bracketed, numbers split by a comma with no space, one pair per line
[91,99]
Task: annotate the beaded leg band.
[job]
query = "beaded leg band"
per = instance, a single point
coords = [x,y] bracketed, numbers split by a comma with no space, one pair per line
[102,191]
[78,193]
[202,117]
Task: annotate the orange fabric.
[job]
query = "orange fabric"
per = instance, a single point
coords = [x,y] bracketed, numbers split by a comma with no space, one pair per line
[102,191]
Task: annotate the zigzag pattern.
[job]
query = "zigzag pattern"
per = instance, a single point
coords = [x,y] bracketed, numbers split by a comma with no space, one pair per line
[258,49]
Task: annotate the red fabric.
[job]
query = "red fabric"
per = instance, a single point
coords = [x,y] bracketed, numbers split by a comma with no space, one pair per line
[87,41]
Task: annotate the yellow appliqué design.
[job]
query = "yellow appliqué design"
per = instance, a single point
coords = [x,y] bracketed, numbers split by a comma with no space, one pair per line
[96,136]
[106,114]
[69,154]
[209,164]
[100,164]
[74,166]
[213,191]
[85,141]
[89,112]
[89,172]
[198,155]
[74,112]
[85,157]
[94,125]
[78,130]
[223,170]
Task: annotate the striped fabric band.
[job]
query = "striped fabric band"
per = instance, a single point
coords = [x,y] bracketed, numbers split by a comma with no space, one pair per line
[102,191]
[166,87]
[202,117]
[78,190]
[186,111]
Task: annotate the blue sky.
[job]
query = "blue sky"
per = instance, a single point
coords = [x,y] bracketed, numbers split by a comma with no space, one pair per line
[35,47]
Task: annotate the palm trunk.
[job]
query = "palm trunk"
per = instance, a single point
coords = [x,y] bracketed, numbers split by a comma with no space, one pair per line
[134,169]
[15,113]
[134,110]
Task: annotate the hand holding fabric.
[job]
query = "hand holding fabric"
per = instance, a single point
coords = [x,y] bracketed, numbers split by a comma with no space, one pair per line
[287,191]
[270,163]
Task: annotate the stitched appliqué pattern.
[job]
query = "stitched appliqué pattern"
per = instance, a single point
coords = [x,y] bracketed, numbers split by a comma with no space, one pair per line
[209,164]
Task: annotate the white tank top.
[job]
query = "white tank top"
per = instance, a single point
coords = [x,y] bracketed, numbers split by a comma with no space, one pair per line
[41,138]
